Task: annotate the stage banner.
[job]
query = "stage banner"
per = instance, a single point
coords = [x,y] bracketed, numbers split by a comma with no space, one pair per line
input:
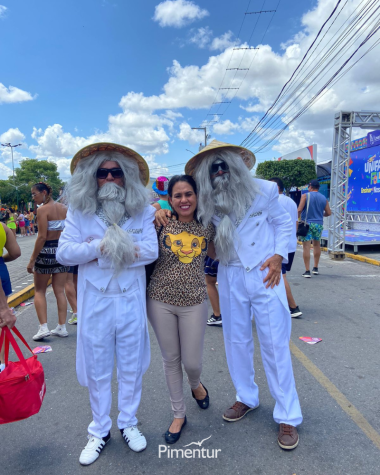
[373,138]
[364,180]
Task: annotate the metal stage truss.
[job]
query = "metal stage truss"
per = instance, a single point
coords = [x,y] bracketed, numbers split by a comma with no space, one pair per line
[343,125]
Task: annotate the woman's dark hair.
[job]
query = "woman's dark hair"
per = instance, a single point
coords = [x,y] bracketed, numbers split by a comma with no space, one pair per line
[11,210]
[187,179]
[177,178]
[42,186]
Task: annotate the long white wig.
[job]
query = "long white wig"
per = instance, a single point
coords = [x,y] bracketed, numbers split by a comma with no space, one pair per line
[227,194]
[81,193]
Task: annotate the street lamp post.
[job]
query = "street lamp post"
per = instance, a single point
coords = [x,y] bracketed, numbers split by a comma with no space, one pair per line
[12,147]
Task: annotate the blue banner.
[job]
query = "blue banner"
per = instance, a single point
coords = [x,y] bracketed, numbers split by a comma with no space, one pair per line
[373,138]
[364,180]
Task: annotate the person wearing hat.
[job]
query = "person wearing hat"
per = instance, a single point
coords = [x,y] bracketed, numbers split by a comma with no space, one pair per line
[312,208]
[109,232]
[251,242]
[160,186]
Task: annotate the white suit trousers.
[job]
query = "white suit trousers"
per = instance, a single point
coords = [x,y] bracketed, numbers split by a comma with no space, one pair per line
[113,323]
[241,295]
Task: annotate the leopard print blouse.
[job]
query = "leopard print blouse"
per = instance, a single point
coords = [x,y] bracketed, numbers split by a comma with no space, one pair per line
[178,277]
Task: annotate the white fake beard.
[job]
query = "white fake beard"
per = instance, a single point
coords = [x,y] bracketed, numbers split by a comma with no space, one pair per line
[225,233]
[117,245]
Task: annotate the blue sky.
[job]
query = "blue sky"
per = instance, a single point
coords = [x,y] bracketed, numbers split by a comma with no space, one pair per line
[144,73]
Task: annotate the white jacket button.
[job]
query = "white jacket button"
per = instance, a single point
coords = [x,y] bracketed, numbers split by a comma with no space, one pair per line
[253,244]
[124,290]
[247,269]
[102,289]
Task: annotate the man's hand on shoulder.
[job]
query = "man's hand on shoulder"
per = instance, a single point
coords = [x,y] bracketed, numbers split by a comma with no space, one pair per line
[274,275]
[162,217]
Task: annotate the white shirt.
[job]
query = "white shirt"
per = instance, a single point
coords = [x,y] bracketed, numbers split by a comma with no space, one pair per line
[290,207]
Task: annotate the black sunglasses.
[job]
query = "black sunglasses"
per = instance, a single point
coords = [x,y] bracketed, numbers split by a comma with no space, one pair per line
[102,173]
[215,167]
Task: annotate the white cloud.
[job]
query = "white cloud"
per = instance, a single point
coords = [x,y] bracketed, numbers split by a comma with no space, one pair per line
[5,172]
[201,37]
[227,127]
[14,94]
[12,136]
[149,124]
[222,42]
[178,13]
[3,9]
[191,136]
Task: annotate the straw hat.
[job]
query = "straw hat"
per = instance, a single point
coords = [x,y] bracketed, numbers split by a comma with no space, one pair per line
[112,147]
[248,157]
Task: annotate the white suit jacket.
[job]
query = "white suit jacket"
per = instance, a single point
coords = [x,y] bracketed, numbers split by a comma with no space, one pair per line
[79,244]
[265,229]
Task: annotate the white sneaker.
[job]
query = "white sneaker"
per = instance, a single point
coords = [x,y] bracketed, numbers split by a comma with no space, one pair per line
[42,333]
[59,331]
[134,438]
[93,448]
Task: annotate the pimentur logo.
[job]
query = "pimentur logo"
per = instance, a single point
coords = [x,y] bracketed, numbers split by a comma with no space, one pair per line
[189,453]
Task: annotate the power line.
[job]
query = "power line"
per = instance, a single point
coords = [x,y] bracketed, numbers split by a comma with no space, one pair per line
[293,94]
[239,68]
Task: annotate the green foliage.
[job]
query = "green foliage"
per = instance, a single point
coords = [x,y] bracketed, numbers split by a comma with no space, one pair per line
[31,171]
[292,172]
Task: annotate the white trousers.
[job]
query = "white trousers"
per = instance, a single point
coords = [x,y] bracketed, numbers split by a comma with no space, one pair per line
[113,323]
[241,295]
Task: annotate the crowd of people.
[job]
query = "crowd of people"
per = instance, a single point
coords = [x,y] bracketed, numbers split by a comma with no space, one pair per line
[215,232]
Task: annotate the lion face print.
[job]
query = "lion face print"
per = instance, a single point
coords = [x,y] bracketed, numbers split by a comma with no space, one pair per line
[185,245]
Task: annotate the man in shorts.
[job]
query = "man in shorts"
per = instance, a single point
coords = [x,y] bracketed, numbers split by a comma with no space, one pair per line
[313,214]
[291,208]
[211,271]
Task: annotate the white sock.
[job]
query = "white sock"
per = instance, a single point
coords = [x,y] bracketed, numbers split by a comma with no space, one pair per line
[44,326]
[61,327]
[2,366]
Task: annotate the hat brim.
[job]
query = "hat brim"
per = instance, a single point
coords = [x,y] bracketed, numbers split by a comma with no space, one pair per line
[159,192]
[194,161]
[112,147]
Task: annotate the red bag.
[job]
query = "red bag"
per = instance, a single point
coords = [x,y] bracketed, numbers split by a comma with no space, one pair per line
[22,383]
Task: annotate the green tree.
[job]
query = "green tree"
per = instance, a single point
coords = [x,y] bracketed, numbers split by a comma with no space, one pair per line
[292,172]
[31,171]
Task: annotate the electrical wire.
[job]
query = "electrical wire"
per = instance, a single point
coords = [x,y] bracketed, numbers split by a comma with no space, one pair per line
[290,102]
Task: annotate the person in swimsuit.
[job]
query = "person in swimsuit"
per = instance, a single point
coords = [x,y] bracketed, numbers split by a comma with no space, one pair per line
[11,222]
[21,224]
[43,264]
[31,221]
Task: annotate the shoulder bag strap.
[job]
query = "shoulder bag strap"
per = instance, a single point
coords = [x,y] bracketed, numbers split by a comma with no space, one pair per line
[307,206]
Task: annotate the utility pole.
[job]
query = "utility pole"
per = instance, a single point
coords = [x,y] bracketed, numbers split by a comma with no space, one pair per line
[205,129]
[12,147]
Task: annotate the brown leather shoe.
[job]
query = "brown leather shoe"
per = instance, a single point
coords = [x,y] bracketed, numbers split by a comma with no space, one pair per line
[287,437]
[237,412]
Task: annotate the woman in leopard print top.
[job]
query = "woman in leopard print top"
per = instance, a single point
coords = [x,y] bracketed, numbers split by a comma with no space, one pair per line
[177,307]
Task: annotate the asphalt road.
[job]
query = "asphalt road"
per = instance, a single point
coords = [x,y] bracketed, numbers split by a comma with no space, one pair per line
[341,306]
